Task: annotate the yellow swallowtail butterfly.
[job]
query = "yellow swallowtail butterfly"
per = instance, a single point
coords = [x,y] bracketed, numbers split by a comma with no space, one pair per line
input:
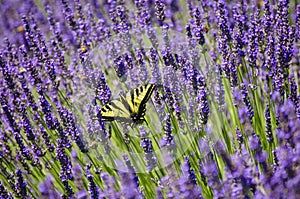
[131,108]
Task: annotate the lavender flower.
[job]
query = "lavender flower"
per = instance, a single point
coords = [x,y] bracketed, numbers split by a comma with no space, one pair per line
[155,67]
[239,138]
[143,71]
[168,139]
[294,97]
[219,88]
[211,171]
[4,193]
[21,185]
[188,183]
[253,42]
[238,32]
[298,23]
[15,130]
[4,144]
[24,85]
[22,160]
[131,169]
[69,15]
[246,101]
[98,128]
[130,187]
[146,144]
[71,129]
[45,136]
[160,11]
[54,28]
[223,20]
[93,188]
[103,92]
[268,125]
[198,29]
[119,66]
[268,19]
[270,62]
[66,169]
[47,188]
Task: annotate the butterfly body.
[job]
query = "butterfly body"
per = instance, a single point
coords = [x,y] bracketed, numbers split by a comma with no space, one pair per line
[130,108]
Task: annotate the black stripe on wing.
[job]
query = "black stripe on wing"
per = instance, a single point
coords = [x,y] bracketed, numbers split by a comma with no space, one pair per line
[142,107]
[109,108]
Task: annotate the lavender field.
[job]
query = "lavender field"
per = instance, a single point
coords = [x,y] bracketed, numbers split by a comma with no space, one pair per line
[223,120]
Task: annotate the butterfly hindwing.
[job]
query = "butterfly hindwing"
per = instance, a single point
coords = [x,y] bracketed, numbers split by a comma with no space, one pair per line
[115,110]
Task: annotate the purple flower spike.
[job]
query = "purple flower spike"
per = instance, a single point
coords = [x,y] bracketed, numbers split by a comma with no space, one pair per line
[130,187]
[93,188]
[238,32]
[197,27]
[239,138]
[21,185]
[27,126]
[69,15]
[45,136]
[187,183]
[119,66]
[253,41]
[103,92]
[4,193]
[66,168]
[154,63]
[146,144]
[15,129]
[219,88]
[47,188]
[160,11]
[168,139]
[246,101]
[298,23]
[26,90]
[4,144]
[223,20]
[294,97]
[71,129]
[143,71]
[268,125]
[268,19]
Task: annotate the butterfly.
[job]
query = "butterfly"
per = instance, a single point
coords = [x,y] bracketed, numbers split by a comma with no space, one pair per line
[130,108]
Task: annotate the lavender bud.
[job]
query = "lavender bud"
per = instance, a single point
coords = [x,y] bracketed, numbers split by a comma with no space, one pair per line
[160,11]
[119,66]
[93,188]
[168,139]
[294,97]
[146,144]
[246,101]
[239,138]
[69,15]
[47,188]
[268,125]
[21,185]
[4,193]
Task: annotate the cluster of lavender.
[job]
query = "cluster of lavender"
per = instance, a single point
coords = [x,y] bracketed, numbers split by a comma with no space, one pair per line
[225,69]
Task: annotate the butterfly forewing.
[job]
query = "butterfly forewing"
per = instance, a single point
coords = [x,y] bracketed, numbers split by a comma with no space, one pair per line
[138,98]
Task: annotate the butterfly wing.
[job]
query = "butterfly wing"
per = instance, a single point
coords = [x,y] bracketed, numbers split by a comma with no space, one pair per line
[116,110]
[138,98]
